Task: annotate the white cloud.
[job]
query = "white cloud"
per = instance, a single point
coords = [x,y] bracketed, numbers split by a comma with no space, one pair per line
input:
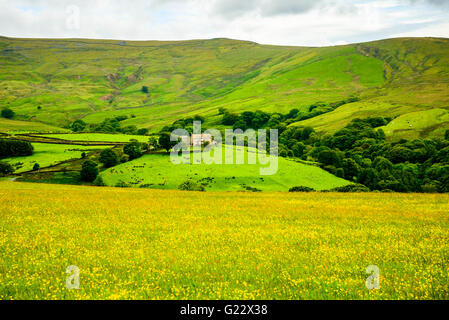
[439,30]
[286,22]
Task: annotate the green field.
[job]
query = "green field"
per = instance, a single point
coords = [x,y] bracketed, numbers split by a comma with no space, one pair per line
[158,172]
[160,244]
[14,126]
[48,155]
[136,241]
[59,81]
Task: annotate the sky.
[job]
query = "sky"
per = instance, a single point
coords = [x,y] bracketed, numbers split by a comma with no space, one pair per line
[279,22]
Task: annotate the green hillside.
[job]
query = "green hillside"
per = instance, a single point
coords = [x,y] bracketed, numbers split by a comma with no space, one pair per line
[156,171]
[58,81]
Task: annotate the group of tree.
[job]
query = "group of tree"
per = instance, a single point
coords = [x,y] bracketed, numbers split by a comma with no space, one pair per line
[360,153]
[260,119]
[7,113]
[15,148]
[107,126]
[186,124]
[110,158]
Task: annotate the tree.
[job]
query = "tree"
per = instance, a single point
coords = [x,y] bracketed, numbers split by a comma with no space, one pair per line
[128,129]
[145,89]
[240,125]
[351,169]
[199,118]
[165,142]
[153,144]
[133,150]
[298,149]
[368,177]
[400,154]
[5,168]
[142,131]
[380,163]
[329,157]
[109,158]
[381,134]
[229,119]
[343,139]
[78,125]
[36,167]
[292,114]
[89,171]
[7,113]
[446,135]
[307,132]
[222,111]
[99,182]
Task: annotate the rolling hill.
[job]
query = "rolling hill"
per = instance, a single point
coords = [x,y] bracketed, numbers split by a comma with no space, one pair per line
[156,171]
[57,81]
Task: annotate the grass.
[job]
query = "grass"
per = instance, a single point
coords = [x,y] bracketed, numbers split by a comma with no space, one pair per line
[48,155]
[428,123]
[158,172]
[57,81]
[154,244]
[14,126]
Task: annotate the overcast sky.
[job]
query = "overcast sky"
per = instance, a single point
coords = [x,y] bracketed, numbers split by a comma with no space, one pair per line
[284,22]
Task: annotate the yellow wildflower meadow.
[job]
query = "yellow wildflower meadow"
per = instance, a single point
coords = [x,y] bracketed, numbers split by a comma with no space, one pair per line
[154,244]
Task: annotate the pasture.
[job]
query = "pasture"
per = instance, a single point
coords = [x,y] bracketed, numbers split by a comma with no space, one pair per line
[156,171]
[157,244]
[48,155]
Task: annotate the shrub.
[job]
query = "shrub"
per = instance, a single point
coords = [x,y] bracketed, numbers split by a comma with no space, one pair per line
[78,125]
[351,188]
[145,89]
[165,142]
[133,150]
[89,171]
[5,168]
[36,167]
[122,184]
[190,185]
[301,189]
[99,181]
[109,158]
[142,131]
[7,113]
